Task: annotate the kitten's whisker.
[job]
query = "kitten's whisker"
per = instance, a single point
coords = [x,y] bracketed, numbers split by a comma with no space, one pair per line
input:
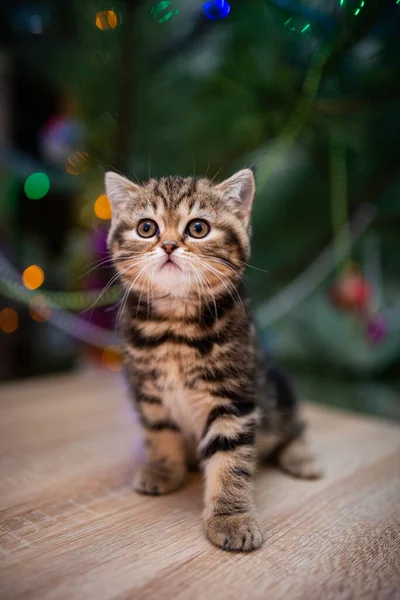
[104,262]
[151,291]
[195,273]
[142,288]
[125,298]
[128,291]
[106,287]
[203,275]
[221,261]
[226,263]
[228,284]
[256,268]
[217,173]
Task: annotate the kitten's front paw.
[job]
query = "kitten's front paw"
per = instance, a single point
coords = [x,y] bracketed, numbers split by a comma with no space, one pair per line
[158,478]
[234,532]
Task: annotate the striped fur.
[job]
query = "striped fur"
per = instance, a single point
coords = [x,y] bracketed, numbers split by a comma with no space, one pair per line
[200,384]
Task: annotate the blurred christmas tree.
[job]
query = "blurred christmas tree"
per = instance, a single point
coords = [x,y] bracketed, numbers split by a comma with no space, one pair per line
[193,87]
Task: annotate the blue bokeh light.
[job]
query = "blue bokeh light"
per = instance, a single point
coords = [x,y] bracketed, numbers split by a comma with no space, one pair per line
[216,9]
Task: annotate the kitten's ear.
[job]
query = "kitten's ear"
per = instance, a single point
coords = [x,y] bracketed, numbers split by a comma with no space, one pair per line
[119,190]
[239,192]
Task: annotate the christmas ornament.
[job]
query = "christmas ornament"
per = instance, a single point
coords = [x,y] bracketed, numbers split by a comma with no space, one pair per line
[351,291]
[377,329]
[216,9]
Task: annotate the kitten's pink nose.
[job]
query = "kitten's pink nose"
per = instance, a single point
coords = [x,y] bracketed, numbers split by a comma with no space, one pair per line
[169,247]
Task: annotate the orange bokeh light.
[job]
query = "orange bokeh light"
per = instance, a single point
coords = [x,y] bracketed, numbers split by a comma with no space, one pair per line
[77,163]
[106,19]
[102,208]
[33,277]
[38,303]
[112,358]
[8,320]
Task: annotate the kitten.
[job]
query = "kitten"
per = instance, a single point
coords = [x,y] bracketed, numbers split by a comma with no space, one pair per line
[199,381]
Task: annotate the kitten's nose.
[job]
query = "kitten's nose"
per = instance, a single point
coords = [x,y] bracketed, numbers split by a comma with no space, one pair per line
[169,247]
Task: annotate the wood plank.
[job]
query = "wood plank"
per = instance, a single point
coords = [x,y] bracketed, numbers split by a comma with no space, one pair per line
[70,526]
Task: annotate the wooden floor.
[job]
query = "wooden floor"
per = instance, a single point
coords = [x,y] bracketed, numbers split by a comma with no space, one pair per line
[71,528]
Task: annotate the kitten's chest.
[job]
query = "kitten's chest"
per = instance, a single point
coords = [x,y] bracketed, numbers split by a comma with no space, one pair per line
[187,407]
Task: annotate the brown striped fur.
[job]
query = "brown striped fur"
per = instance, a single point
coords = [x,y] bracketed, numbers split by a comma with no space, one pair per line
[200,384]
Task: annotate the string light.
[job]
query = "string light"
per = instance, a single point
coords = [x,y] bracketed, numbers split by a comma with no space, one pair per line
[39,310]
[36,186]
[102,208]
[359,7]
[106,19]
[77,163]
[357,10]
[8,320]
[33,277]
[66,300]
[216,9]
[161,13]
[302,27]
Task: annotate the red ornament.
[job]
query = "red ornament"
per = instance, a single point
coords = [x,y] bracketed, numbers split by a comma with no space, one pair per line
[351,291]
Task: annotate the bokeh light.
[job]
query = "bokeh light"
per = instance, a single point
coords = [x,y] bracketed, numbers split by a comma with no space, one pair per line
[77,163]
[33,277]
[102,208]
[359,7]
[36,186]
[8,320]
[164,11]
[216,9]
[106,19]
[112,358]
[38,303]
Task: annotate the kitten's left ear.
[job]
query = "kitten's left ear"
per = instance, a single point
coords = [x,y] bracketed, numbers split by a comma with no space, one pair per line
[119,190]
[239,192]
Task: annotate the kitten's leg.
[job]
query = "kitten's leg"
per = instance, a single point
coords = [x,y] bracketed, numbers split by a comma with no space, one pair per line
[164,468]
[298,460]
[282,433]
[229,461]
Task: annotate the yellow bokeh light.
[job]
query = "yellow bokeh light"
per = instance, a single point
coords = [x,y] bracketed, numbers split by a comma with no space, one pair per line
[38,303]
[33,277]
[102,208]
[106,19]
[8,320]
[112,358]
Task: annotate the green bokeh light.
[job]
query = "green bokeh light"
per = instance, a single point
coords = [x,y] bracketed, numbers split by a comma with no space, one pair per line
[160,13]
[36,186]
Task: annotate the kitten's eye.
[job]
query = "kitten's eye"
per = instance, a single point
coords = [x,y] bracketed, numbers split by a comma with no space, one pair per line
[197,228]
[147,228]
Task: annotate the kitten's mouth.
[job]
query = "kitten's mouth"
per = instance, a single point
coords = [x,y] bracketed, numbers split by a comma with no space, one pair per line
[170,265]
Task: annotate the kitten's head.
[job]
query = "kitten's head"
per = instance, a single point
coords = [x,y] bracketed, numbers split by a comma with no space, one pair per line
[185,237]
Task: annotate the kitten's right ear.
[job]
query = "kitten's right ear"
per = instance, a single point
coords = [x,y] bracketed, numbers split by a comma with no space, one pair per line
[119,190]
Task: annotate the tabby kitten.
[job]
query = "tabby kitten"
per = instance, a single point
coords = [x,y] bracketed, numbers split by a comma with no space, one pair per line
[200,384]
